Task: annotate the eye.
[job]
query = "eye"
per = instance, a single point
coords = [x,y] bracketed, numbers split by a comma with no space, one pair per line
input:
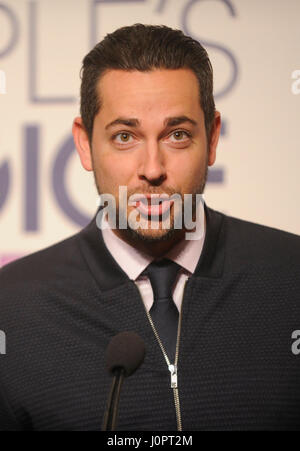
[179,135]
[124,137]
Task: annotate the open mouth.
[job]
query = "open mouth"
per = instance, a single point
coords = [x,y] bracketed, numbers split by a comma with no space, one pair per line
[155,205]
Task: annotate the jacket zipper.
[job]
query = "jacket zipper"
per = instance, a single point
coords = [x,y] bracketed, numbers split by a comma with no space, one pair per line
[172,367]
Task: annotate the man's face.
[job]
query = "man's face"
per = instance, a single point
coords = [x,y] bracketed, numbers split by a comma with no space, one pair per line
[149,154]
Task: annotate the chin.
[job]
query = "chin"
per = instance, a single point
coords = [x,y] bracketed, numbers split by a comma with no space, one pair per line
[150,235]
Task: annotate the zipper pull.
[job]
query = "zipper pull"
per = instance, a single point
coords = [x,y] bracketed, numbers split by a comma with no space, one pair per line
[173,371]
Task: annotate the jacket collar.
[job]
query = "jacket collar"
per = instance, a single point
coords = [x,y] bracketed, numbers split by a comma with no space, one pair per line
[109,274]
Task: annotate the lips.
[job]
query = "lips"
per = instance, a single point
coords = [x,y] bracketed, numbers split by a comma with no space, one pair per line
[152,204]
[155,199]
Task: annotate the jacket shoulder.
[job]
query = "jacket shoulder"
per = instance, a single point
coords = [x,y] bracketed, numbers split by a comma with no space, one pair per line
[258,243]
[43,264]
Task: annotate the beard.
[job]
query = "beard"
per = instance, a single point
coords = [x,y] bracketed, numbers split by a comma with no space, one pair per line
[164,234]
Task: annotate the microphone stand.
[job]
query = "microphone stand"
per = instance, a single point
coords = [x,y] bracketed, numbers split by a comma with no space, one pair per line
[111,413]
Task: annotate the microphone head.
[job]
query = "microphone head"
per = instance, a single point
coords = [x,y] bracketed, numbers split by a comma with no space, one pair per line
[125,350]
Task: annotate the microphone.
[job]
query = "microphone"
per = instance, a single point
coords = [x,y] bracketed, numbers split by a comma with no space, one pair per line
[124,355]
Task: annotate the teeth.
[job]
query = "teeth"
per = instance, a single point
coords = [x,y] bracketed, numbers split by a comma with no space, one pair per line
[158,201]
[154,200]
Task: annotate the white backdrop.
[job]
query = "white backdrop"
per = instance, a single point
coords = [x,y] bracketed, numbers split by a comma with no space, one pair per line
[254,47]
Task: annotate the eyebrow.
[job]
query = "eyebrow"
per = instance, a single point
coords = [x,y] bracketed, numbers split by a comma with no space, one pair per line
[168,122]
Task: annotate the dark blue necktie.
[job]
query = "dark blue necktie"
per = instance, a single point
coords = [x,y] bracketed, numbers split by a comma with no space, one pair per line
[164,313]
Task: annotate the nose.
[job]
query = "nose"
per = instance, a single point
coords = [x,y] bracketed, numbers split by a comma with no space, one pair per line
[152,166]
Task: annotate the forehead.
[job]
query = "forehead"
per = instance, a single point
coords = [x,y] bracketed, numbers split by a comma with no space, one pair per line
[160,91]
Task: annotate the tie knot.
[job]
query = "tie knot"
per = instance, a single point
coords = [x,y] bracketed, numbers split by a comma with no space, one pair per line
[162,275]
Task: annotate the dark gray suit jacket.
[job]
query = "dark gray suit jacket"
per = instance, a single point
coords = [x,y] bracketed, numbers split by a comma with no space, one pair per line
[238,365]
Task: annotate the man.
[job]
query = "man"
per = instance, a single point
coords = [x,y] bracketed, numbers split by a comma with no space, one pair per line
[221,349]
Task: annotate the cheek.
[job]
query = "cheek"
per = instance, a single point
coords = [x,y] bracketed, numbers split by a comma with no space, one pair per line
[112,171]
[191,169]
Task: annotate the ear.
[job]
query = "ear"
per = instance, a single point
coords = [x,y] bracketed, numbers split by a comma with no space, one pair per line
[82,144]
[214,138]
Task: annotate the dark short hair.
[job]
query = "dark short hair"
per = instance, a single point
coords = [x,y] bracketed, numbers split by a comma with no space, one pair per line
[144,48]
